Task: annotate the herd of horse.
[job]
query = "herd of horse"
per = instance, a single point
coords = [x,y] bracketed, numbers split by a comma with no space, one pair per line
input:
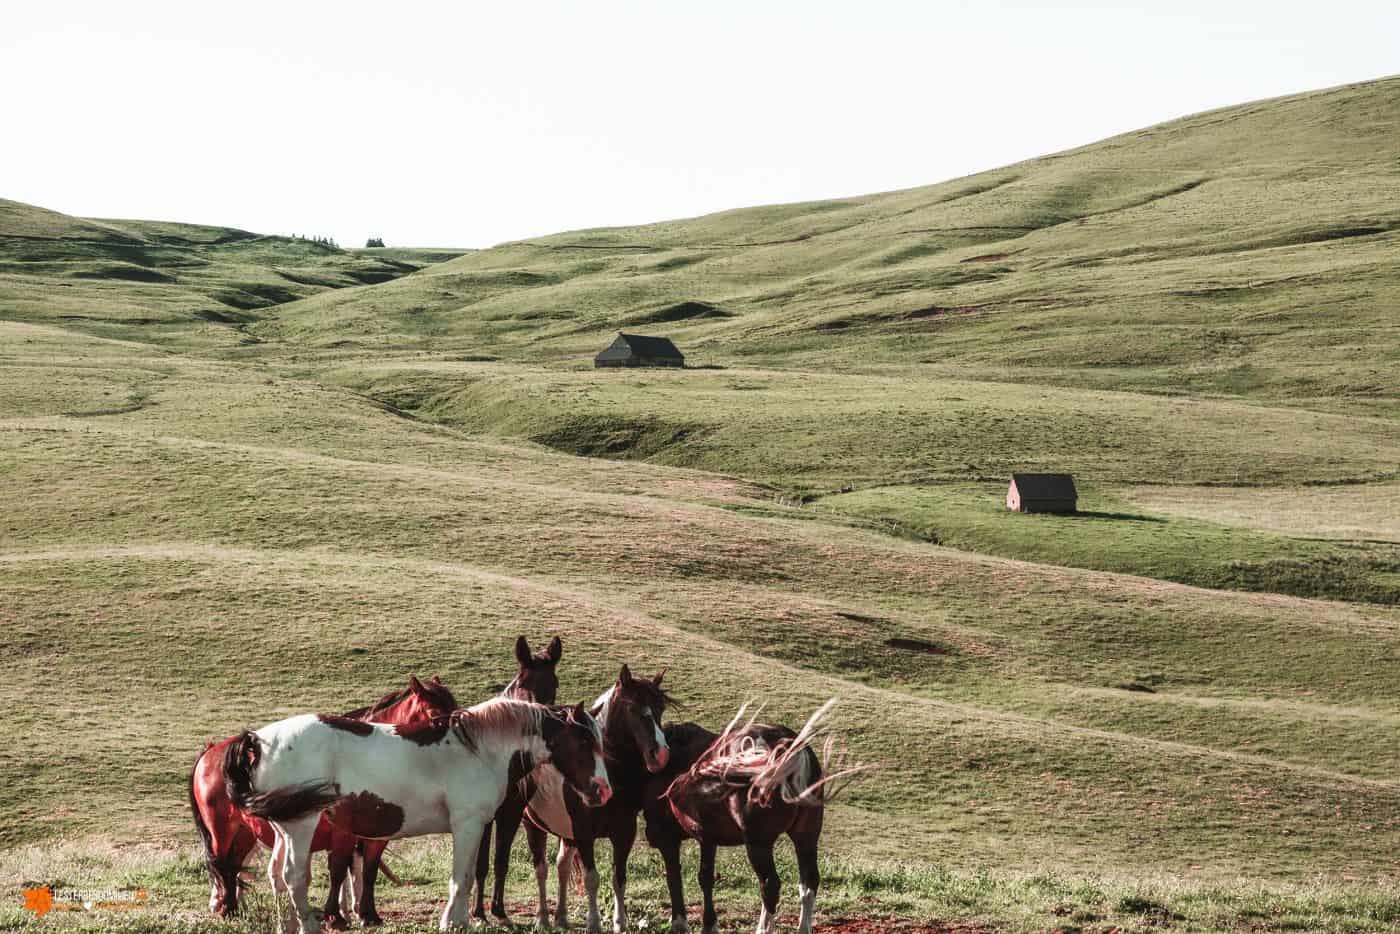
[415,762]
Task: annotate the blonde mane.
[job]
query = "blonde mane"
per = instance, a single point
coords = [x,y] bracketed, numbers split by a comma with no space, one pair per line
[497,718]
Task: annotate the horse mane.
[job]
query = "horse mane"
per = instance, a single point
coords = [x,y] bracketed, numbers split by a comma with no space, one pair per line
[654,695]
[436,689]
[496,718]
[766,762]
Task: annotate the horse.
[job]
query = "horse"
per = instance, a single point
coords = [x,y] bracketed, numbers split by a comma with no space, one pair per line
[746,787]
[229,834]
[629,714]
[375,780]
[538,682]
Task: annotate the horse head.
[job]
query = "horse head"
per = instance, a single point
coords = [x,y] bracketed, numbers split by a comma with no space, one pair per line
[536,680]
[575,745]
[635,710]
[424,700]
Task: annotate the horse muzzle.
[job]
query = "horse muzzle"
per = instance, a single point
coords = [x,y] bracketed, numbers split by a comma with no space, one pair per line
[656,759]
[598,794]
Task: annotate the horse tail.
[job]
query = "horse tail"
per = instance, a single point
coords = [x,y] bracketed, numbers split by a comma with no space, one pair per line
[804,784]
[794,772]
[281,804]
[210,862]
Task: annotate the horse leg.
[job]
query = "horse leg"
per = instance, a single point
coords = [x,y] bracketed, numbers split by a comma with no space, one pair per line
[761,859]
[373,853]
[539,843]
[228,869]
[590,883]
[809,875]
[622,842]
[707,886]
[508,818]
[339,856]
[296,867]
[466,837]
[671,856]
[483,868]
[563,867]
[353,890]
[276,879]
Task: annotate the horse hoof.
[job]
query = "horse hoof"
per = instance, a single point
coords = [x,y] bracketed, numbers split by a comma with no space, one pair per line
[499,911]
[371,920]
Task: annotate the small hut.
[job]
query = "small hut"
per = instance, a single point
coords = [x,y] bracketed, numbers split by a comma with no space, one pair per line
[1042,492]
[636,350]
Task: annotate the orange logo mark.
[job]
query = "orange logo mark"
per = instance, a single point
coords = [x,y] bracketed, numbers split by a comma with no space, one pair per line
[38,900]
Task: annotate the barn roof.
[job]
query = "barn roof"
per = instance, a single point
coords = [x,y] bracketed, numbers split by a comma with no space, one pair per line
[1045,485]
[651,346]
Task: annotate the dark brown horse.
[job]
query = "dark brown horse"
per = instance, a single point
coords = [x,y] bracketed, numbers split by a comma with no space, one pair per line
[230,834]
[745,787]
[536,681]
[634,746]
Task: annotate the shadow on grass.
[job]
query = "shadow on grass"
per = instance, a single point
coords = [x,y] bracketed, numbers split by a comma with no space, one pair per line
[1124,516]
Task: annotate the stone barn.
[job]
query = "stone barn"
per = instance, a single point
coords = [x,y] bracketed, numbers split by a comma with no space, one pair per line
[636,350]
[1042,492]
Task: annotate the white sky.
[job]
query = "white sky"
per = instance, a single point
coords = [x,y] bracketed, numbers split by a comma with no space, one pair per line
[466,124]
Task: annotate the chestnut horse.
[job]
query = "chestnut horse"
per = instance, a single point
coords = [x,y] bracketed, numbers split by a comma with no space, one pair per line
[229,834]
[745,787]
[538,682]
[448,775]
[629,714]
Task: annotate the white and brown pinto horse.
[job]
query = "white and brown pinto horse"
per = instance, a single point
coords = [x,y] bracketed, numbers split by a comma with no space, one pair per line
[384,782]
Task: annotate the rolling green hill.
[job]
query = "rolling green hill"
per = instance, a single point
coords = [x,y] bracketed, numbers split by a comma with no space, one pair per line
[1247,251]
[182,285]
[244,476]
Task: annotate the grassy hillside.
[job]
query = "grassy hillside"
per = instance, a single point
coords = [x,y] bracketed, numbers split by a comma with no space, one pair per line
[212,516]
[330,547]
[1205,302]
[1248,251]
[418,256]
[183,285]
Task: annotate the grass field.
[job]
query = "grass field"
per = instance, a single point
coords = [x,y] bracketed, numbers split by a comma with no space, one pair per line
[221,504]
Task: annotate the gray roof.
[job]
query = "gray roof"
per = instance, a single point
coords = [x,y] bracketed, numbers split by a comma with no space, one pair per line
[651,346]
[1045,485]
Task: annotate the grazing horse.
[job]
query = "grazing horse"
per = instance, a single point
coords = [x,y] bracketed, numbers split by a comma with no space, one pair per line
[229,834]
[536,681]
[634,745]
[745,787]
[384,782]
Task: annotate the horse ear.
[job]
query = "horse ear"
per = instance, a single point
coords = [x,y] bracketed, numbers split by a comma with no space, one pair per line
[659,675]
[522,651]
[625,675]
[578,713]
[555,650]
[415,685]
